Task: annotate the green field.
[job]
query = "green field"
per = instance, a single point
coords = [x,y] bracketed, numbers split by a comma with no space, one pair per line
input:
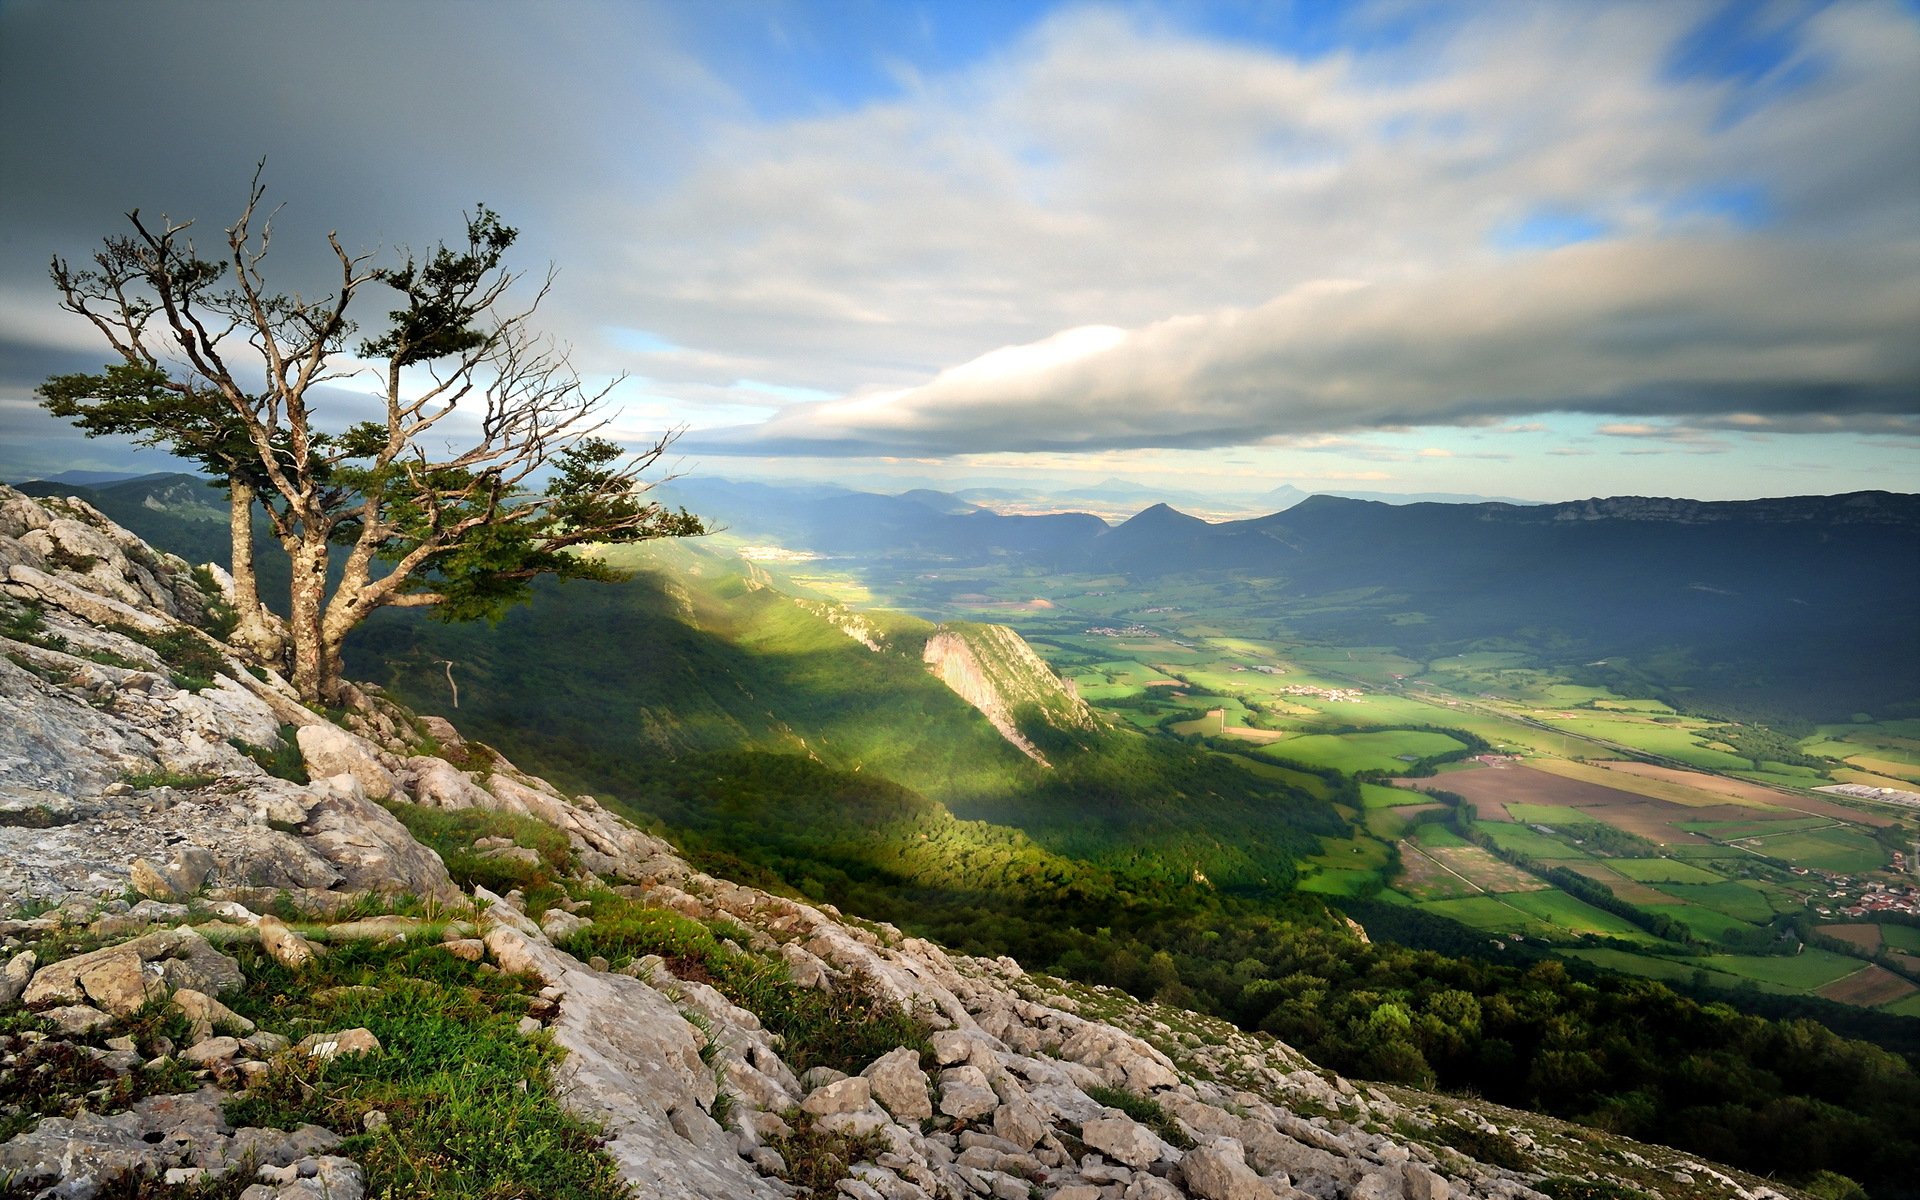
[1800,972]
[1375,795]
[1569,915]
[1531,842]
[1704,922]
[1370,751]
[1662,870]
[1732,899]
[1832,849]
[1901,937]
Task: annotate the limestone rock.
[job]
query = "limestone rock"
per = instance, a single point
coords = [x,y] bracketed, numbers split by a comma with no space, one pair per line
[77,1020]
[15,976]
[204,1014]
[330,750]
[370,848]
[287,947]
[965,1095]
[1219,1171]
[121,984]
[840,1096]
[559,924]
[900,1085]
[347,1043]
[1122,1139]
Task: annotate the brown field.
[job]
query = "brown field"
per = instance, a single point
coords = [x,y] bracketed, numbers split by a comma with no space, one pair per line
[1490,808]
[1910,961]
[1252,735]
[1867,937]
[1749,792]
[1678,787]
[1630,890]
[1868,988]
[1650,819]
[1425,879]
[1484,870]
[1906,772]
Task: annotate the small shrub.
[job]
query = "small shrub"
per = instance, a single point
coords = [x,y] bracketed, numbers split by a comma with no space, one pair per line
[1490,1147]
[193,662]
[1146,1111]
[451,833]
[817,1160]
[222,617]
[1568,1187]
[282,760]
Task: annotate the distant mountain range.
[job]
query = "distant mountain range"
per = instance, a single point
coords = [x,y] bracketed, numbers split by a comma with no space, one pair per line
[1789,607]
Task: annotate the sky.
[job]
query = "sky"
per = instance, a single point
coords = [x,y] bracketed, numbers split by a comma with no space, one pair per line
[1506,247]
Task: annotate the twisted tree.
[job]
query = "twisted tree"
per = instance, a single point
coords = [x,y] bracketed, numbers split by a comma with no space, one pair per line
[230,373]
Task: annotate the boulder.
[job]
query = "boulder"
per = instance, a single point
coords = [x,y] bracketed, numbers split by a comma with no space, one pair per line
[1122,1139]
[965,1094]
[900,1085]
[841,1096]
[1219,1171]
[16,975]
[330,750]
[121,984]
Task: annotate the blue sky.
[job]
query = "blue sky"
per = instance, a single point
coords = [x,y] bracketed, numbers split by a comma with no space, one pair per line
[1544,249]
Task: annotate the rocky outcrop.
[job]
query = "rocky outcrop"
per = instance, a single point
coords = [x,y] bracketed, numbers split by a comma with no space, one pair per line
[992,668]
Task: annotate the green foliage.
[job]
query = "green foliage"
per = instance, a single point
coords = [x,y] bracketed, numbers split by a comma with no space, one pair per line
[222,617]
[1489,1146]
[451,834]
[818,1160]
[282,760]
[193,660]
[846,1028]
[1144,1110]
[471,1112]
[1567,1187]
[165,777]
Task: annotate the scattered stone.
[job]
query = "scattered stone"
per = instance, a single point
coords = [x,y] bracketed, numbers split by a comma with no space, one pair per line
[77,1020]
[559,924]
[15,977]
[121,984]
[204,1014]
[841,1096]
[285,945]
[211,1051]
[344,1044]
[965,1094]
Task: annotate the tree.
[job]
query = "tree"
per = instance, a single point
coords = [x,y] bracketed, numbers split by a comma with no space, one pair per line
[230,373]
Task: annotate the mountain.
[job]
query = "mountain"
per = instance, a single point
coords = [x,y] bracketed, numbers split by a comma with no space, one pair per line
[369,912]
[86,478]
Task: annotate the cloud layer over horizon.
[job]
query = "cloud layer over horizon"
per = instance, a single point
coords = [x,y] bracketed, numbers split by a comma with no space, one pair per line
[1097,229]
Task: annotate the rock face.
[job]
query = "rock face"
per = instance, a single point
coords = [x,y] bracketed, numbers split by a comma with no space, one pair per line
[112,776]
[992,668]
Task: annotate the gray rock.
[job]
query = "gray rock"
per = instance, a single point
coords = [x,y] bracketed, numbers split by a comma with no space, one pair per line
[15,977]
[1122,1139]
[1218,1171]
[900,1085]
[842,1096]
[965,1094]
[346,1043]
[330,750]
[77,1020]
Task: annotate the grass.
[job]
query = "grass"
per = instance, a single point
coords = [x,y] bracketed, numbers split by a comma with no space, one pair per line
[1736,900]
[1800,972]
[1825,849]
[845,1029]
[471,1112]
[1144,1110]
[1367,751]
[1662,870]
[818,1160]
[451,833]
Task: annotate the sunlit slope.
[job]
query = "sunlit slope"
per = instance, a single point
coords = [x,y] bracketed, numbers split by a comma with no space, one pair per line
[623,688]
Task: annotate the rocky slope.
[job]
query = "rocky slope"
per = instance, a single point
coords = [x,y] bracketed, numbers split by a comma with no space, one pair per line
[173,908]
[992,668]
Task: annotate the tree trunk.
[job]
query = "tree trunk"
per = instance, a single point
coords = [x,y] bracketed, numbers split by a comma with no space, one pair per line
[255,631]
[312,678]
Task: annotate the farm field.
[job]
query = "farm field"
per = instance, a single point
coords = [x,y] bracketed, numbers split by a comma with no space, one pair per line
[1386,750]
[1867,937]
[1712,851]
